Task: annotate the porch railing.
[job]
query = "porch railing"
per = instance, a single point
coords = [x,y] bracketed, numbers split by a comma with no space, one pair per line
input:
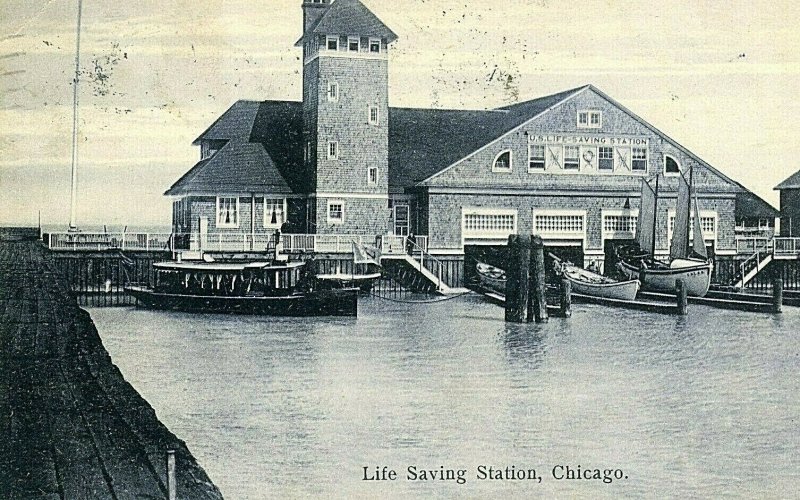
[787,247]
[751,245]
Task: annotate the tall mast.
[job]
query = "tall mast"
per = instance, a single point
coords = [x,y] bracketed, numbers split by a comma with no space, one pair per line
[74,190]
[655,219]
[689,209]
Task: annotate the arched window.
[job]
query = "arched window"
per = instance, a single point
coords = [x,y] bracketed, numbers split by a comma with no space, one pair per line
[671,166]
[502,162]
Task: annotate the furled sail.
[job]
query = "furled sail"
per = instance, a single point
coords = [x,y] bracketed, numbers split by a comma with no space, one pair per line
[646,224]
[698,242]
[679,246]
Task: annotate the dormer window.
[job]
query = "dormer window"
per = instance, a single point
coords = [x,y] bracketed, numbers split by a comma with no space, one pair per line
[332,43]
[502,162]
[374,45]
[353,43]
[590,119]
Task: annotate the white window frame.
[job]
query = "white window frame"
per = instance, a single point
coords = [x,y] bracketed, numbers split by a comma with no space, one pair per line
[487,237]
[335,155]
[371,41]
[590,113]
[704,214]
[267,222]
[377,119]
[633,159]
[577,159]
[227,225]
[369,175]
[328,40]
[335,87]
[672,174]
[356,40]
[495,168]
[333,220]
[562,237]
[616,234]
[543,158]
[599,158]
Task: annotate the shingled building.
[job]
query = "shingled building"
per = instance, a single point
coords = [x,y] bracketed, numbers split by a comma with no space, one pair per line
[567,166]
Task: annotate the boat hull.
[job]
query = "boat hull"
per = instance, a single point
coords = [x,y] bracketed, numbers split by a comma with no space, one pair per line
[696,276]
[336,302]
[621,290]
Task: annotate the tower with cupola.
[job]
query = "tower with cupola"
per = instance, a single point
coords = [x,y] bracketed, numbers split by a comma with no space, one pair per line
[345,116]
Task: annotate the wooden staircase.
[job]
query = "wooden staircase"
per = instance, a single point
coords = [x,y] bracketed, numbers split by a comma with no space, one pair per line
[750,267]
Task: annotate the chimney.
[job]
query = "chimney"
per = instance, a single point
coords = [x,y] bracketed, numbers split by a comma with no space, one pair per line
[312,10]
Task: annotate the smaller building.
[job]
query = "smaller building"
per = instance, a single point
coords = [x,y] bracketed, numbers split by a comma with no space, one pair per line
[790,205]
[755,218]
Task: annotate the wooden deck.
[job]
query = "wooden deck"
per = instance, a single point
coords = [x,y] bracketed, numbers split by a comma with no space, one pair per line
[72,426]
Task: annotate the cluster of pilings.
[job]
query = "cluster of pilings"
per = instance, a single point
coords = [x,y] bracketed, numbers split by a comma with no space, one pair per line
[525,282]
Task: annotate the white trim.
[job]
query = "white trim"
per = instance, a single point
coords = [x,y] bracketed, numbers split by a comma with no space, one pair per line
[283,214]
[724,252]
[364,196]
[335,148]
[488,236]
[543,158]
[564,158]
[589,114]
[217,223]
[329,38]
[335,98]
[646,159]
[328,212]
[703,214]
[357,40]
[380,45]
[616,235]
[353,55]
[370,182]
[561,237]
[446,251]
[561,192]
[377,120]
[664,166]
[510,161]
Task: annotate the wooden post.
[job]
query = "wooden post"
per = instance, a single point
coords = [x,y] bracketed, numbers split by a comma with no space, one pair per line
[566,298]
[680,292]
[172,486]
[539,302]
[517,277]
[777,295]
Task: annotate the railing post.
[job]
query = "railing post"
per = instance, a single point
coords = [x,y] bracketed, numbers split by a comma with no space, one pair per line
[147,241]
[172,484]
[682,300]
[777,295]
[123,240]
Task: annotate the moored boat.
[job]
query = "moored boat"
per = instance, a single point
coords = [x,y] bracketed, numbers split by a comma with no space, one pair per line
[491,278]
[587,282]
[689,260]
[277,289]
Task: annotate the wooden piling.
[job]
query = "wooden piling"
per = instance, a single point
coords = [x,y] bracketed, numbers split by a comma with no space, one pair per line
[681,296]
[777,295]
[539,302]
[566,298]
[517,277]
[172,485]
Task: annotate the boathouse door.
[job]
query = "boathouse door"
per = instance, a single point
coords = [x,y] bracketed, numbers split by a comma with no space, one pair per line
[401,220]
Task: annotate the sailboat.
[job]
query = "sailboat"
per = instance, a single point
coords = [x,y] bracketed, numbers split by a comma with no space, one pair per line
[688,261]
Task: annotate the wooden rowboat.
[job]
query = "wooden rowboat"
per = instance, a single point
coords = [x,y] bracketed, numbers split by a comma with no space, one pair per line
[588,283]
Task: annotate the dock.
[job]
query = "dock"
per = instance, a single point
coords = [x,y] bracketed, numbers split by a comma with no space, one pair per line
[72,426]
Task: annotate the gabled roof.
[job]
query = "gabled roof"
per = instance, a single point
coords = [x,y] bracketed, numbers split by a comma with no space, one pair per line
[443,137]
[749,204]
[350,17]
[793,182]
[239,167]
[263,151]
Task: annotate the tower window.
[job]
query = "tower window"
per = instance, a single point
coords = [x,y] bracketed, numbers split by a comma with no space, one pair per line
[502,162]
[671,166]
[374,45]
[335,211]
[605,159]
[333,150]
[227,211]
[332,43]
[333,91]
[352,44]
[590,119]
[372,175]
[373,115]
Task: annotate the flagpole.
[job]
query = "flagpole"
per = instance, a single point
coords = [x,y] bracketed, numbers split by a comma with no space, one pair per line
[74,190]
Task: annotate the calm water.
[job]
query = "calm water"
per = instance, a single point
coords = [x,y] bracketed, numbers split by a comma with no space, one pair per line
[703,406]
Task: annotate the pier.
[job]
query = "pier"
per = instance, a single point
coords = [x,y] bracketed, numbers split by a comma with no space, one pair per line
[72,426]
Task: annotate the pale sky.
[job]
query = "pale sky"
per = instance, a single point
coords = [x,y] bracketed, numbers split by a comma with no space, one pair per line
[719,77]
